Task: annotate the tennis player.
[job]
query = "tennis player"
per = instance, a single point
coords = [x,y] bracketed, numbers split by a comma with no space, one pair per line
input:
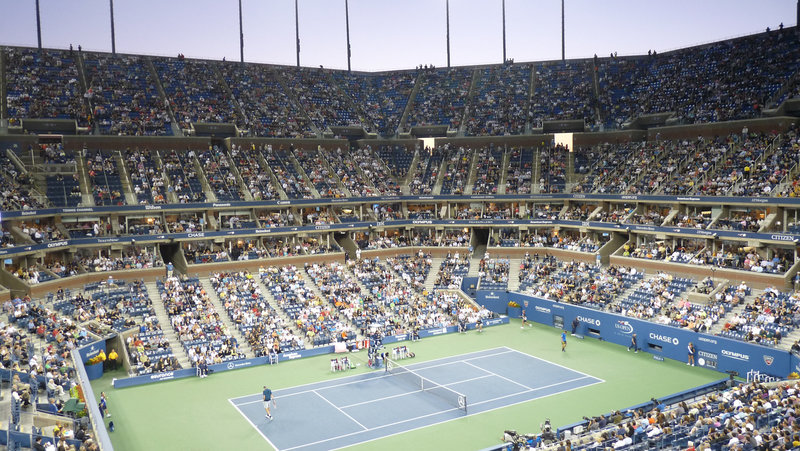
[564,341]
[268,397]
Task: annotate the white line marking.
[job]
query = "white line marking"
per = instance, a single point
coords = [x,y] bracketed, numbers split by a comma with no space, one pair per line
[532,390]
[340,410]
[252,424]
[507,350]
[416,366]
[471,405]
[447,421]
[445,411]
[552,363]
[360,379]
[412,392]
[373,429]
[501,377]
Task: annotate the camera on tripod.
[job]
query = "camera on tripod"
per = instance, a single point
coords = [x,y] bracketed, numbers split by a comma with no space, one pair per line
[519,442]
[547,431]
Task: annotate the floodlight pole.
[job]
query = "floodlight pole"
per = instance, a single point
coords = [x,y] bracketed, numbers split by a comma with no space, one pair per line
[447,15]
[562,31]
[347,27]
[504,31]
[297,31]
[113,38]
[38,25]
[241,35]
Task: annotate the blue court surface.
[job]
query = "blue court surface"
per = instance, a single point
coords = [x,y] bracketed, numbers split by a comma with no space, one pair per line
[343,412]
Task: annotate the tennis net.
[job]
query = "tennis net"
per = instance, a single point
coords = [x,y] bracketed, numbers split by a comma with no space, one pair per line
[410,377]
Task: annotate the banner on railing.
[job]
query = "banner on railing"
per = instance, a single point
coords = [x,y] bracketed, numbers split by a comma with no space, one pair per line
[711,351]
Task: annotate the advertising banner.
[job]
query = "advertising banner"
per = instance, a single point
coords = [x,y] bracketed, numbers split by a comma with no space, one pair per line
[710,351]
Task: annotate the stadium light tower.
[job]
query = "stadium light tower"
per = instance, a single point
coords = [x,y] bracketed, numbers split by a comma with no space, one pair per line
[241,35]
[38,25]
[113,38]
[347,27]
[504,31]
[297,32]
[447,18]
[562,31]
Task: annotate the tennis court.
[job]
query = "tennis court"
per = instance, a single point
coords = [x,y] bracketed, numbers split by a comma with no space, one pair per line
[346,411]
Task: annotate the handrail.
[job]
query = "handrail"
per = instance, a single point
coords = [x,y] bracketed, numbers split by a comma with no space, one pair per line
[96,418]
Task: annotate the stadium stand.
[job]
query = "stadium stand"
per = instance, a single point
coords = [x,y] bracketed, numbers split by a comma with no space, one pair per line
[563,90]
[124,96]
[44,85]
[195,92]
[657,223]
[500,105]
[441,98]
[382,97]
[322,99]
[260,93]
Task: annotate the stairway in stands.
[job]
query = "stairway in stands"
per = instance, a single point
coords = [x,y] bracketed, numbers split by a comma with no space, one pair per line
[244,346]
[311,284]
[433,274]
[166,326]
[631,289]
[281,313]
[513,274]
[475,261]
[739,309]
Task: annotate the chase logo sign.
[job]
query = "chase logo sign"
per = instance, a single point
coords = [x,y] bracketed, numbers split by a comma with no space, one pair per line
[624,326]
[664,338]
[592,321]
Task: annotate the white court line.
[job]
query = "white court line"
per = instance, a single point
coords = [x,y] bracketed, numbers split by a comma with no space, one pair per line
[252,424]
[552,363]
[340,410]
[507,350]
[412,392]
[414,367]
[532,390]
[444,411]
[471,414]
[364,379]
[373,429]
[501,377]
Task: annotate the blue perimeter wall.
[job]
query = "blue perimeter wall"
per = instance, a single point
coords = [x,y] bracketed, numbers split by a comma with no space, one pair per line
[718,353]
[237,364]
